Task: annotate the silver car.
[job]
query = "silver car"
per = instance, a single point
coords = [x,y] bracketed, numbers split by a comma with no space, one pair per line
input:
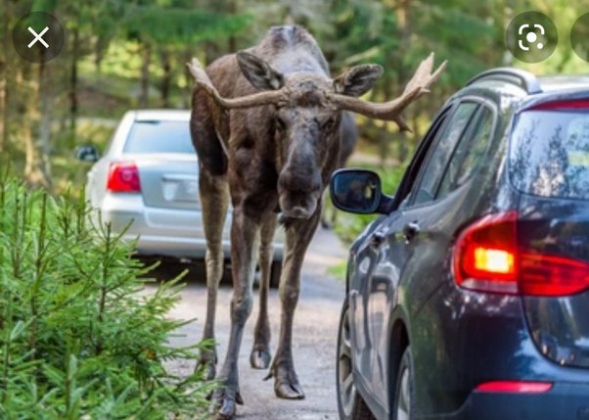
[147,180]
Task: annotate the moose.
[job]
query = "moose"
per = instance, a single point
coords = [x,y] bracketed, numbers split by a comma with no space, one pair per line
[265,124]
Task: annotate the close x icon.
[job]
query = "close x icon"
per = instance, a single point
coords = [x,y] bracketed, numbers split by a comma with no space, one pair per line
[38,37]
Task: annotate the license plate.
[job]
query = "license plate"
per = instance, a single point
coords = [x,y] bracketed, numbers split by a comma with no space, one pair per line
[186,191]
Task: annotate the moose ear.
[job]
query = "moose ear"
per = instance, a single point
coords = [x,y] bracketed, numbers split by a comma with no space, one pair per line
[259,73]
[358,80]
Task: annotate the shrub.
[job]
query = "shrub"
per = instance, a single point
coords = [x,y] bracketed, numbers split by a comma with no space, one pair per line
[79,335]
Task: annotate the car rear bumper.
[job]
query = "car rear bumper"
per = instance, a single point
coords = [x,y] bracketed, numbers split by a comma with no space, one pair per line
[482,338]
[172,246]
[565,400]
[165,232]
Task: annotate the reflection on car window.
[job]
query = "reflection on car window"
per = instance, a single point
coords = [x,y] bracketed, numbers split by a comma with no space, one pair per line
[469,153]
[411,176]
[549,154]
[441,151]
[159,137]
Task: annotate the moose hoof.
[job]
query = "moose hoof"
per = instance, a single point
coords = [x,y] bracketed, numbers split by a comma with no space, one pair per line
[286,383]
[260,359]
[288,391]
[224,403]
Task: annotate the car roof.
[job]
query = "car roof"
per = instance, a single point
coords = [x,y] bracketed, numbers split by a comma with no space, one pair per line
[161,114]
[526,89]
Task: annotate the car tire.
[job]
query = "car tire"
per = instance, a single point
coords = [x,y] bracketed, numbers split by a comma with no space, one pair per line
[404,406]
[275,273]
[350,404]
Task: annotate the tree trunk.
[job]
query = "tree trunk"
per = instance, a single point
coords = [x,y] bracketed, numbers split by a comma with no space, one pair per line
[166,79]
[73,93]
[27,113]
[403,19]
[187,93]
[4,69]
[45,128]
[144,82]
[232,12]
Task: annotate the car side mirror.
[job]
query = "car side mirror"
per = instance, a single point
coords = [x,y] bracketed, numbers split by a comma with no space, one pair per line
[358,191]
[87,153]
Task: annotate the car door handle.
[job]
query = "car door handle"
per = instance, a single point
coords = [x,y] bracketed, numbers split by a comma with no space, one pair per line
[410,230]
[377,238]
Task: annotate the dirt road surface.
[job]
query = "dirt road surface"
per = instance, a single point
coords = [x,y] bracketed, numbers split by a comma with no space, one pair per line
[315,337]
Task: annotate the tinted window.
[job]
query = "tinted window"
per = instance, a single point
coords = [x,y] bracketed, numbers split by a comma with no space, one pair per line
[469,153]
[549,153]
[442,150]
[411,175]
[159,137]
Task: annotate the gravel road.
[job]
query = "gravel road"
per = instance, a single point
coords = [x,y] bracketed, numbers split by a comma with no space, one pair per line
[315,336]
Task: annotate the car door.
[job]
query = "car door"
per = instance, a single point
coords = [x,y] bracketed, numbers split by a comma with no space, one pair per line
[406,236]
[371,269]
[420,236]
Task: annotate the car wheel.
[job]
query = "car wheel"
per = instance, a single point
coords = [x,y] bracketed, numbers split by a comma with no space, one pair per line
[404,408]
[350,404]
[275,273]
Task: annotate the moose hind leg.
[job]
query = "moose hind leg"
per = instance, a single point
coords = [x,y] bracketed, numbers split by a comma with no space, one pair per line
[298,236]
[260,356]
[214,197]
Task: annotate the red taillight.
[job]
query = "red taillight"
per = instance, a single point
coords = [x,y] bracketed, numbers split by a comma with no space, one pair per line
[549,275]
[486,258]
[578,104]
[526,387]
[123,177]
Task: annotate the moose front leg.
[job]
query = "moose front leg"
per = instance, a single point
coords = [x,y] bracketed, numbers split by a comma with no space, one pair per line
[260,356]
[298,236]
[244,246]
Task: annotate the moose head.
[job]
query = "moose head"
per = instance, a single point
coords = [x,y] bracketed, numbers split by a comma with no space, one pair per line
[305,113]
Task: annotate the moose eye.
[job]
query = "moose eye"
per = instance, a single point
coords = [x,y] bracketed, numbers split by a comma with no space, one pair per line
[328,124]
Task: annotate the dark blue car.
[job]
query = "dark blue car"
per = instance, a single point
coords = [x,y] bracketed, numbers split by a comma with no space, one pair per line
[469,297]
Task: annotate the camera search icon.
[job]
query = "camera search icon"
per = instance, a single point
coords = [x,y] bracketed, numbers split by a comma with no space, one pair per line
[531,37]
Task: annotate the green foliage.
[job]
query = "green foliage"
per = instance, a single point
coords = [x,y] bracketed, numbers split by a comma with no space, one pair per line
[339,270]
[168,25]
[70,173]
[80,334]
[349,226]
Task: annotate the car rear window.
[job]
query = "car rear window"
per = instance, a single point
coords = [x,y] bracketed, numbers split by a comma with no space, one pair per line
[159,137]
[549,153]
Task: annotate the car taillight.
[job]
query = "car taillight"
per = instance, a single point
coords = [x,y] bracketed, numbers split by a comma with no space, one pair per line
[526,387]
[485,255]
[550,275]
[486,258]
[123,177]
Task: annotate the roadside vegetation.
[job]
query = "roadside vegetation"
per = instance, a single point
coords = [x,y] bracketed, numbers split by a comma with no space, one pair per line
[79,336]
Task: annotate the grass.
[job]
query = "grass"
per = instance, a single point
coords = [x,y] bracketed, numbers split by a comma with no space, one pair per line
[338,270]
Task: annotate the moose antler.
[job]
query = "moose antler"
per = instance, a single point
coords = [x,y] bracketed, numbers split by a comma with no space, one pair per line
[257,99]
[391,111]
